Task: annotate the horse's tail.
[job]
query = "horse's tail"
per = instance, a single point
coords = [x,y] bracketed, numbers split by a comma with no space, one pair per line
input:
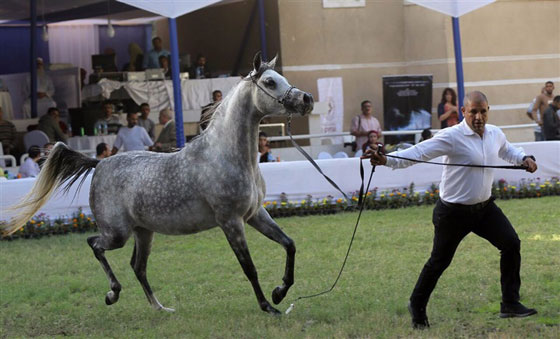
[62,166]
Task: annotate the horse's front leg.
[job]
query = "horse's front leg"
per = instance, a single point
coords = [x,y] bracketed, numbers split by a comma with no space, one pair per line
[262,222]
[235,235]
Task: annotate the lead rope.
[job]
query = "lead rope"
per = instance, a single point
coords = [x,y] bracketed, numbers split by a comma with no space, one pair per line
[360,204]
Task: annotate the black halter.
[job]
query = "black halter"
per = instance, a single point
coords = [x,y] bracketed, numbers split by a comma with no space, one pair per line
[282,99]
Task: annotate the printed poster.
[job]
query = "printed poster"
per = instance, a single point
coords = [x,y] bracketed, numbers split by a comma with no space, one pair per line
[330,91]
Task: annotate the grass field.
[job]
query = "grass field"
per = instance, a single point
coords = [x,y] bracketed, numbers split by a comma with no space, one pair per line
[55,287]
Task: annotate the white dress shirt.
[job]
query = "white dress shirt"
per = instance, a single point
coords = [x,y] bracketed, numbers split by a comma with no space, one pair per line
[133,139]
[29,169]
[461,145]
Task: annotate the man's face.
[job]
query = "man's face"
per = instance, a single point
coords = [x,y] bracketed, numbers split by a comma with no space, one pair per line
[217,96]
[163,119]
[262,141]
[40,65]
[132,120]
[108,110]
[476,115]
[157,44]
[549,88]
[107,152]
[201,61]
[145,110]
[55,114]
[366,108]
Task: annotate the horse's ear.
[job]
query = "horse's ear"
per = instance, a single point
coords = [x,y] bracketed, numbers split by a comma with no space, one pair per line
[272,62]
[257,61]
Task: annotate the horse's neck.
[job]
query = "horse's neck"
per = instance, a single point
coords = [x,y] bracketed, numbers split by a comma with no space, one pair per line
[236,126]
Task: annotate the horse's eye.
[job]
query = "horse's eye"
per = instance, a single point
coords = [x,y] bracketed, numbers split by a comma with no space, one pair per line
[270,83]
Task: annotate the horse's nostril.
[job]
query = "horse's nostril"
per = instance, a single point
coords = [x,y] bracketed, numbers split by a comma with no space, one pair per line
[307,98]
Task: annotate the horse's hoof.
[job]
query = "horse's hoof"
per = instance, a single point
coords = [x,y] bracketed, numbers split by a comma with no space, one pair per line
[278,294]
[271,310]
[166,309]
[111,298]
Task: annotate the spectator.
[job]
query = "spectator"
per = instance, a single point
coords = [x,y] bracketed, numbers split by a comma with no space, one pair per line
[132,137]
[152,58]
[363,124]
[164,64]
[200,70]
[551,121]
[109,122]
[102,151]
[216,99]
[45,91]
[541,103]
[372,141]
[426,134]
[47,148]
[264,149]
[136,58]
[7,135]
[167,138]
[147,123]
[538,130]
[30,167]
[447,108]
[49,123]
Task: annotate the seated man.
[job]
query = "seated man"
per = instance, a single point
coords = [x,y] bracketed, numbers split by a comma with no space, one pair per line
[109,122]
[144,121]
[45,92]
[7,135]
[102,151]
[200,70]
[264,149]
[49,123]
[167,139]
[132,137]
[30,168]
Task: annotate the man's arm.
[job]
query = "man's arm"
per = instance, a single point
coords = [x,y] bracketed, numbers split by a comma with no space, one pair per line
[355,128]
[58,134]
[536,106]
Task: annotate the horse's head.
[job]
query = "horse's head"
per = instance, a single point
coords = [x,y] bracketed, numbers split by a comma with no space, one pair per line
[273,94]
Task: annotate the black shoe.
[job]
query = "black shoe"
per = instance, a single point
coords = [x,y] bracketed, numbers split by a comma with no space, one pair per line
[516,310]
[419,318]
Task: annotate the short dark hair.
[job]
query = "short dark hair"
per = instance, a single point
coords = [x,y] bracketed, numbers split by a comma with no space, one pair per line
[52,109]
[364,102]
[549,82]
[216,91]
[130,113]
[156,38]
[107,102]
[262,134]
[144,104]
[34,151]
[426,134]
[101,147]
[556,99]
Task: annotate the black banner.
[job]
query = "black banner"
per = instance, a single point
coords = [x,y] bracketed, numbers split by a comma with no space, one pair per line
[407,105]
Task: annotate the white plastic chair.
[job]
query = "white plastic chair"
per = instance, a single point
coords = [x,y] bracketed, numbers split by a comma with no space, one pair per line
[23,157]
[358,154]
[340,155]
[36,137]
[324,155]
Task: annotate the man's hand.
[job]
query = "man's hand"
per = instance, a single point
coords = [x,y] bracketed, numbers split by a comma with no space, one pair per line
[375,158]
[530,164]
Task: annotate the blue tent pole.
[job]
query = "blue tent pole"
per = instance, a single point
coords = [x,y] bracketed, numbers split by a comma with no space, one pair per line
[262,31]
[33,56]
[175,76]
[458,64]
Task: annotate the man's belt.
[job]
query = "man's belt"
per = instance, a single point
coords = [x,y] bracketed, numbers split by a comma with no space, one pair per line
[469,208]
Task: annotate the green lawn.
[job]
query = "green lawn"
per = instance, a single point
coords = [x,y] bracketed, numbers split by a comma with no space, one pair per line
[55,287]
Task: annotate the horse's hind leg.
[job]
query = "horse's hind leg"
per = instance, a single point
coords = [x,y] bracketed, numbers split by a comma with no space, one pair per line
[99,244]
[139,261]
[235,235]
[263,223]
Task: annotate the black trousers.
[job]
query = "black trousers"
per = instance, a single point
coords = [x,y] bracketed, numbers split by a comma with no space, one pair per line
[452,223]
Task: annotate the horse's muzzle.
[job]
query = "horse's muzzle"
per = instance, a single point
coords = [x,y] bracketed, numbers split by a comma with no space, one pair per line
[299,102]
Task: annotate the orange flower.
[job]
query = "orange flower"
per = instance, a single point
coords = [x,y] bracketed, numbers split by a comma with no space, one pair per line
[81,215]
[75,220]
[431,194]
[75,225]
[32,221]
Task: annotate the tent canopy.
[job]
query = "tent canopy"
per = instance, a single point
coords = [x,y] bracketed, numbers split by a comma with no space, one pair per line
[454,8]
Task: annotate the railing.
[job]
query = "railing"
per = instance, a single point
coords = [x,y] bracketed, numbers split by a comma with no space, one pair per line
[417,133]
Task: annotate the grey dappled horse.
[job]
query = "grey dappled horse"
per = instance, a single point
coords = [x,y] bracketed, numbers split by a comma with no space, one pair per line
[213,181]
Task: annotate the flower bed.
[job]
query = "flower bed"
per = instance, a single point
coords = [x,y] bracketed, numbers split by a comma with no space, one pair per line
[40,225]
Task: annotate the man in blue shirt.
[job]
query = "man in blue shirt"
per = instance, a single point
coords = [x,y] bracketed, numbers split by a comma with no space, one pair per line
[152,57]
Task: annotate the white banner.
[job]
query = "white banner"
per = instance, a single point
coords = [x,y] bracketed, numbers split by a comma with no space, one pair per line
[330,91]
[343,3]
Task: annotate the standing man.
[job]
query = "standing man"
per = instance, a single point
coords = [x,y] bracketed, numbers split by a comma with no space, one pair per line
[363,124]
[144,121]
[465,203]
[167,138]
[551,121]
[132,137]
[49,124]
[152,57]
[541,103]
[45,91]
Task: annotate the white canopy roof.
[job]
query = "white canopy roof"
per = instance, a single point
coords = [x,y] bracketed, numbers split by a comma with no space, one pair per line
[454,8]
[170,8]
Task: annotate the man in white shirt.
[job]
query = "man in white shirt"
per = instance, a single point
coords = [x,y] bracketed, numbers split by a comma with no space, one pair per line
[132,137]
[465,203]
[30,167]
[45,92]
[363,124]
